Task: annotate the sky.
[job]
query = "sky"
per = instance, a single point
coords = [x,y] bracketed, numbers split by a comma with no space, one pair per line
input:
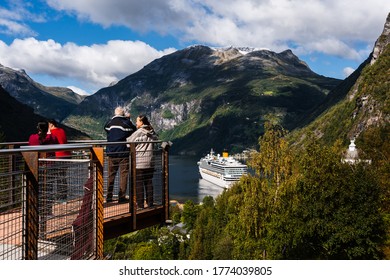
[88,44]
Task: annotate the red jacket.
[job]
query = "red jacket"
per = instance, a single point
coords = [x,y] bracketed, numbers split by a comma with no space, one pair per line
[49,139]
[59,133]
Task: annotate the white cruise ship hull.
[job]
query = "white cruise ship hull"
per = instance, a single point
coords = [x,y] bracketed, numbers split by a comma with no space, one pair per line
[219,181]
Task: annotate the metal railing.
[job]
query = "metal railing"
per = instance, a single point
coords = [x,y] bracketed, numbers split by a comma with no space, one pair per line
[63,208]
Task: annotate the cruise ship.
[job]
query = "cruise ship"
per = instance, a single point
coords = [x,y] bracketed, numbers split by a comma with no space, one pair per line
[222,171]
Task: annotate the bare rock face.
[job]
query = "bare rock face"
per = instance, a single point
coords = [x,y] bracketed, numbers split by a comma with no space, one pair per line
[382,41]
[369,100]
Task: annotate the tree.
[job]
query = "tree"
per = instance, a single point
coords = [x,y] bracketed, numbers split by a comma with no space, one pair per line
[261,194]
[175,214]
[205,231]
[337,214]
[241,214]
[273,162]
[190,211]
[169,244]
[147,251]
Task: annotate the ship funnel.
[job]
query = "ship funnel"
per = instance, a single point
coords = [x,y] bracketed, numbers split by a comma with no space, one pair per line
[225,154]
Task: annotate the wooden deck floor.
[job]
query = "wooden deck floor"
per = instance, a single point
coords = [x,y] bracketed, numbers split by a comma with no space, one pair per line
[60,222]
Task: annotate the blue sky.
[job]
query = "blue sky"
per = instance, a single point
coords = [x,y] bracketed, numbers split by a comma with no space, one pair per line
[87,44]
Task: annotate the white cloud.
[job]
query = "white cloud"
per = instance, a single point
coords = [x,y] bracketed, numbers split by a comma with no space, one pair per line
[10,27]
[12,20]
[78,90]
[143,16]
[275,25]
[95,66]
[333,46]
[348,71]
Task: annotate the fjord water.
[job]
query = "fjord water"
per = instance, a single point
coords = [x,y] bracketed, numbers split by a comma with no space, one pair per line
[185,182]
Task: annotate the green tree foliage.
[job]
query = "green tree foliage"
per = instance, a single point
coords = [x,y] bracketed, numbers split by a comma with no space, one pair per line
[203,234]
[148,244]
[338,211]
[375,143]
[175,214]
[273,160]
[306,205]
[147,251]
[190,211]
[169,244]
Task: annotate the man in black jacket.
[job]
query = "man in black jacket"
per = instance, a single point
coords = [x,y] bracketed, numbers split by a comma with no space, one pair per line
[118,129]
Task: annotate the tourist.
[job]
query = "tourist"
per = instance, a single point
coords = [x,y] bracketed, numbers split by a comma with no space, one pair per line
[46,191]
[60,134]
[118,129]
[42,137]
[144,160]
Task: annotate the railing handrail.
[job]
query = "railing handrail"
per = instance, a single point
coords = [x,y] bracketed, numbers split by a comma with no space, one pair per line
[45,148]
[69,146]
[14,143]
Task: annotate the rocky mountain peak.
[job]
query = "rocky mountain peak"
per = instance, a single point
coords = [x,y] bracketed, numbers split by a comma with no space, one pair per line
[50,102]
[382,41]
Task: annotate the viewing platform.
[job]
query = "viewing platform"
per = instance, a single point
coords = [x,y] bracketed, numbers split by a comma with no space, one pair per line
[54,208]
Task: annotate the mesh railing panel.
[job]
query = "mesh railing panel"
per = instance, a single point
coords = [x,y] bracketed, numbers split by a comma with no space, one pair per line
[66,208]
[149,181]
[12,186]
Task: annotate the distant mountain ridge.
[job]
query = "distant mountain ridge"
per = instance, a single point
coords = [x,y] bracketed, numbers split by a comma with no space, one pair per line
[51,102]
[201,97]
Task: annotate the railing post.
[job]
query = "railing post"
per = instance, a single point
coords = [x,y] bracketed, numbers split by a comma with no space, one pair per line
[165,171]
[11,168]
[98,160]
[30,226]
[133,184]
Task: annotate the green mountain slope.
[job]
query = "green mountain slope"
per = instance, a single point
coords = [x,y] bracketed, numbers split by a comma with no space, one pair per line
[364,107]
[361,107]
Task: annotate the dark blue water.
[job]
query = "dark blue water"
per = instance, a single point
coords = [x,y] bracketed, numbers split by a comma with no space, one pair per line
[185,182]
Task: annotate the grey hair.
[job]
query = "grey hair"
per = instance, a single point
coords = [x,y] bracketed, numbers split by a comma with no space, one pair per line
[119,111]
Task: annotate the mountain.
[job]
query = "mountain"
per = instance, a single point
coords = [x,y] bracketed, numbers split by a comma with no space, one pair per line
[51,102]
[201,97]
[18,121]
[359,105]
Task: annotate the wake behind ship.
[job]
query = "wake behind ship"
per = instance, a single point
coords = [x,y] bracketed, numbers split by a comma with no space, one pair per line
[222,171]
